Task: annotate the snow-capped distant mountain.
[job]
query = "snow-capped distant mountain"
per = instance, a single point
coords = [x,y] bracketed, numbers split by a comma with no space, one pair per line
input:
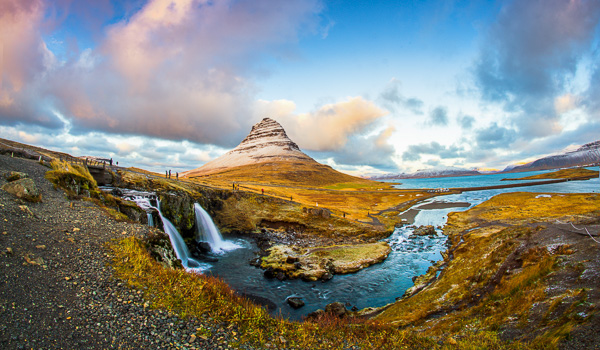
[586,155]
[429,173]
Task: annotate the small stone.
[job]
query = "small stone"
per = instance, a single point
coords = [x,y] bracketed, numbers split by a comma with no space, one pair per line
[451,341]
[4,233]
[192,338]
[295,302]
[9,251]
[76,229]
[40,246]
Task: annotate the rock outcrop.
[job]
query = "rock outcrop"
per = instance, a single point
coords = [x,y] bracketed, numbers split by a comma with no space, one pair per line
[23,188]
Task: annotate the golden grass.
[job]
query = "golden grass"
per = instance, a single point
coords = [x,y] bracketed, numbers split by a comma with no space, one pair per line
[476,290]
[530,207]
[71,177]
[563,174]
[199,295]
[298,173]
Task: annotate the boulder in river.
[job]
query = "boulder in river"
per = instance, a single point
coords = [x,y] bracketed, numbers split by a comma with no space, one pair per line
[295,302]
[427,230]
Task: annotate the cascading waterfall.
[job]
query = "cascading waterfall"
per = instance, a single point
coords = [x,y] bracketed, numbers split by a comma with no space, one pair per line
[206,231]
[181,250]
[150,220]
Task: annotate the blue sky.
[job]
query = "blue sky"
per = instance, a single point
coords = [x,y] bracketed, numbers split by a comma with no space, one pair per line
[364,86]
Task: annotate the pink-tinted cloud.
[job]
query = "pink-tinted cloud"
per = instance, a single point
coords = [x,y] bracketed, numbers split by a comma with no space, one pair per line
[174,69]
[24,59]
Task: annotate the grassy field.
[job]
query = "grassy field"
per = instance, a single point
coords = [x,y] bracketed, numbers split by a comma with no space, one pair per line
[563,174]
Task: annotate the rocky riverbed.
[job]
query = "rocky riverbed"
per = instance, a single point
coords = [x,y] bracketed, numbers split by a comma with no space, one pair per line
[57,289]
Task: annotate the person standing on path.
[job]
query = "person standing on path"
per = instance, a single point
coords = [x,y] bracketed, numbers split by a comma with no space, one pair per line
[169,173]
[166,174]
[177,175]
[263,190]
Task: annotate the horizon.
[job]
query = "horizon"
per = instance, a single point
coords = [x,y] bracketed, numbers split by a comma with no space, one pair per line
[366,88]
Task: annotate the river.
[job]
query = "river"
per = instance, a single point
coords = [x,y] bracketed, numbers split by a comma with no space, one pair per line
[382,283]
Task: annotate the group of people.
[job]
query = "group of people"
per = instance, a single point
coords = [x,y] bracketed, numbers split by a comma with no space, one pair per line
[168,174]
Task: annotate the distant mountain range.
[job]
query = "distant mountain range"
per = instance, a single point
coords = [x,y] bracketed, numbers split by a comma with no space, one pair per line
[586,155]
[428,173]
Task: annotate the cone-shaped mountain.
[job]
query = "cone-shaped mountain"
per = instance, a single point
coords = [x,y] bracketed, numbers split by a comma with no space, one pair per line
[268,154]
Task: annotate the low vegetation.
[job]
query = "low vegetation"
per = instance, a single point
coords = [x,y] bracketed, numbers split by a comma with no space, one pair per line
[499,271]
[205,296]
[75,179]
[574,173]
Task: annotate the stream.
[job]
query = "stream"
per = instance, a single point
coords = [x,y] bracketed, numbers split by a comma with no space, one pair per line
[379,284]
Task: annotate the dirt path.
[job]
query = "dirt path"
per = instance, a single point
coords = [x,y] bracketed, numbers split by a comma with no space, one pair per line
[56,288]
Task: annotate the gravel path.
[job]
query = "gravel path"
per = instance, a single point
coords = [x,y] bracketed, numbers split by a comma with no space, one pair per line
[57,290]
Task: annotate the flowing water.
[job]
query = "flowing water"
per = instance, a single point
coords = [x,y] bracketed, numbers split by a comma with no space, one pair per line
[206,231]
[374,286]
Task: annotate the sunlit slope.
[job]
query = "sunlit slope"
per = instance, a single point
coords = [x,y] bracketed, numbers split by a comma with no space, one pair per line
[305,173]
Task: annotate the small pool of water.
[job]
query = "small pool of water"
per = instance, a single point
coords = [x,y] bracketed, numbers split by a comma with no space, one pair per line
[376,285]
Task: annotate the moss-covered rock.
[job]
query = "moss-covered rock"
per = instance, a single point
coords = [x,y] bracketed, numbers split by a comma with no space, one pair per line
[313,264]
[24,189]
[178,207]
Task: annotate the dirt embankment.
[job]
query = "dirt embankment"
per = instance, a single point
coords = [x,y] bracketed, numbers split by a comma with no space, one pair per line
[57,290]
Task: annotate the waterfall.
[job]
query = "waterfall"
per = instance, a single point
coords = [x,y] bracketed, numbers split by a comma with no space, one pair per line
[181,250]
[150,219]
[206,231]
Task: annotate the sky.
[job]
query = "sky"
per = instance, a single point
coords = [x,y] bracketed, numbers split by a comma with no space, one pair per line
[364,86]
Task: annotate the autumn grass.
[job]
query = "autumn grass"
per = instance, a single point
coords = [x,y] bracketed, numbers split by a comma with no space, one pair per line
[562,174]
[311,184]
[521,207]
[493,274]
[72,178]
[204,296]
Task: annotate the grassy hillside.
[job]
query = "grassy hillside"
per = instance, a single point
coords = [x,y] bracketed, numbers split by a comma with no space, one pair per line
[310,174]
[512,268]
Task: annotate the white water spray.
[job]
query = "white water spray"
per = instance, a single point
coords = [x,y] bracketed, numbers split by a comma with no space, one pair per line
[181,250]
[206,231]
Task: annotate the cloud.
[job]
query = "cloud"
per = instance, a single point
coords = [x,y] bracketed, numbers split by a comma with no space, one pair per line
[530,55]
[414,152]
[466,122]
[392,98]
[174,69]
[565,103]
[438,116]
[327,129]
[495,136]
[23,60]
[372,150]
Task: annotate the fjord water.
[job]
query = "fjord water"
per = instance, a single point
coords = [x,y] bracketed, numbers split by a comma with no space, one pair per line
[495,179]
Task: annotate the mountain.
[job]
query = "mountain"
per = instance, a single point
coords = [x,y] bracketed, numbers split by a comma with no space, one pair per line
[586,155]
[428,173]
[268,155]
